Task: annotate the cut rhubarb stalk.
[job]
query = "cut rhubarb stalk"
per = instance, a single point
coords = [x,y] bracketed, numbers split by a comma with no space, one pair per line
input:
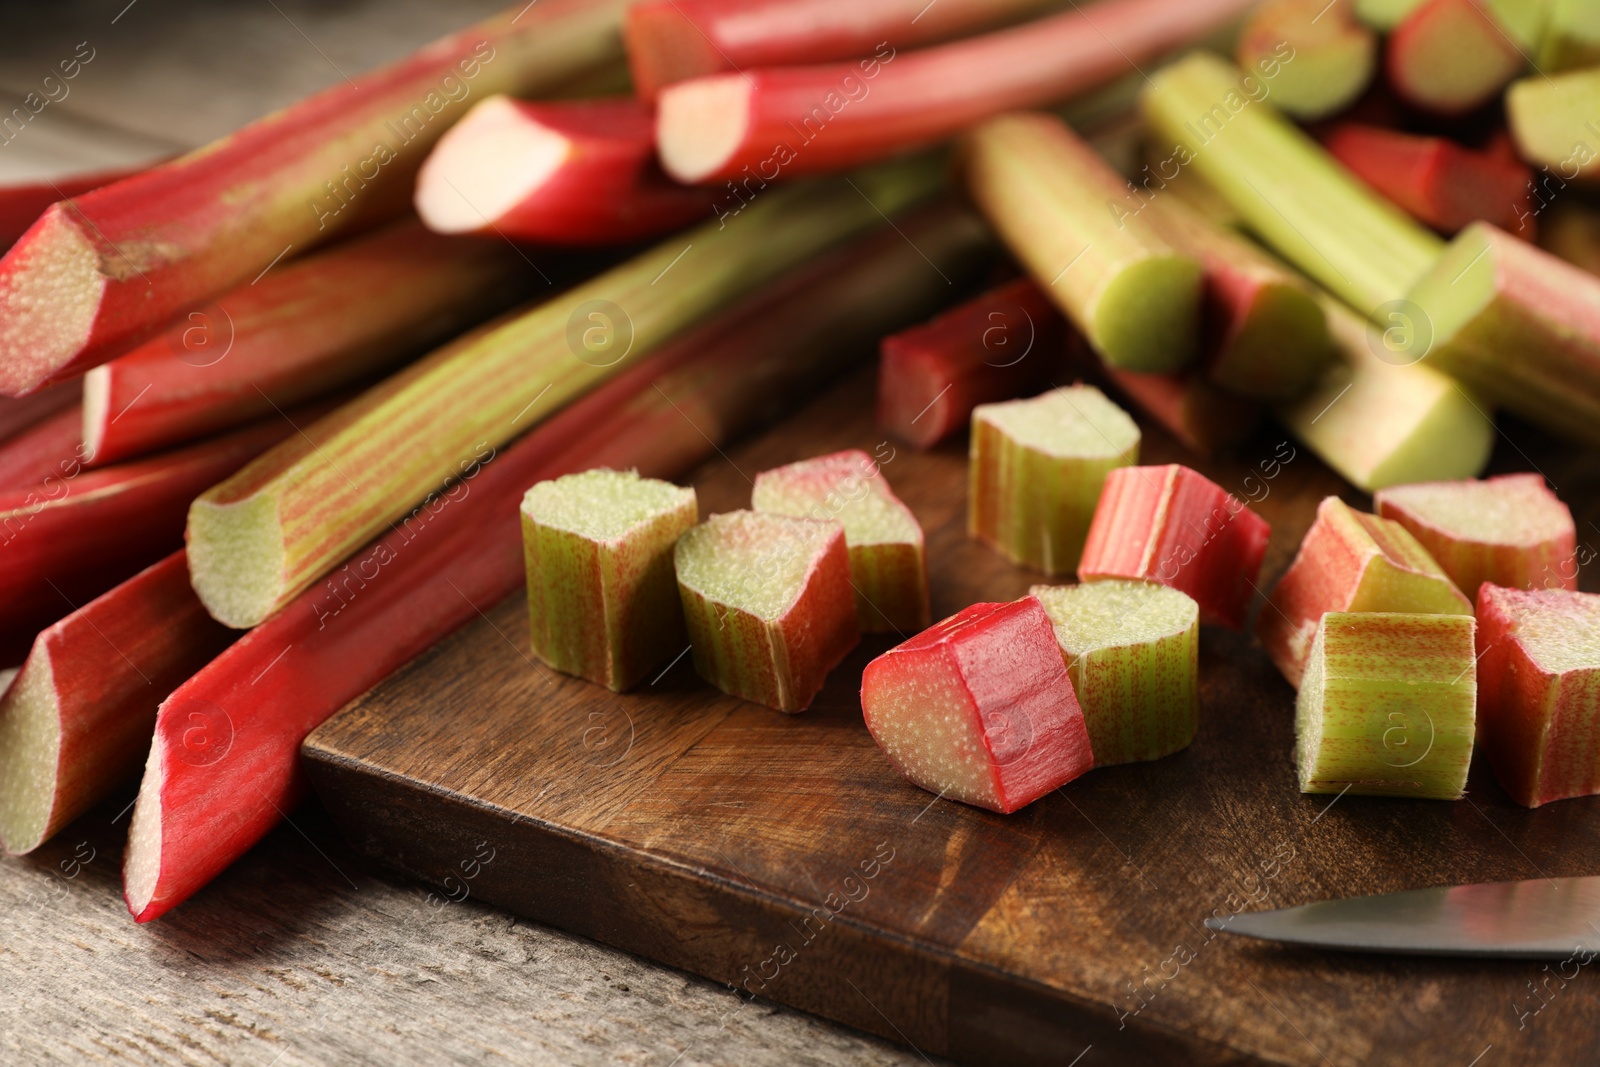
[1571,36]
[1174,526]
[1539,710]
[674,40]
[1387,707]
[1334,55]
[21,413]
[602,599]
[1452,56]
[1132,650]
[1510,530]
[999,346]
[111,268]
[265,535]
[1131,293]
[1317,215]
[1384,15]
[1266,336]
[21,205]
[1201,416]
[887,564]
[564,173]
[755,124]
[76,723]
[1036,470]
[308,327]
[1554,122]
[980,708]
[1438,181]
[53,448]
[196,815]
[1520,325]
[1350,561]
[768,603]
[1388,420]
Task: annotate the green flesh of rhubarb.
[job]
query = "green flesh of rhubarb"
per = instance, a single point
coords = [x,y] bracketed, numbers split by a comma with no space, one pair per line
[1036,471]
[1387,706]
[30,744]
[1384,14]
[1132,650]
[602,599]
[1556,121]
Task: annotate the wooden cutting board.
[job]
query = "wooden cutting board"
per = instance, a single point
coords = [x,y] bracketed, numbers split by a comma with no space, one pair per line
[782,855]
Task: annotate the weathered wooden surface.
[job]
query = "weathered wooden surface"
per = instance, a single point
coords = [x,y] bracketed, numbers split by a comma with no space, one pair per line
[704,831]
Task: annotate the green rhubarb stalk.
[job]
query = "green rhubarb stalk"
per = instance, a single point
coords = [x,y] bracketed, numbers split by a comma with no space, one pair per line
[266,534]
[602,599]
[1132,294]
[1334,55]
[1555,122]
[1387,707]
[1316,214]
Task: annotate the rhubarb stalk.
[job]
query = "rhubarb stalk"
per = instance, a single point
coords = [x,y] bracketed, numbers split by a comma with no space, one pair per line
[22,204]
[52,448]
[1334,54]
[1554,121]
[1451,56]
[1571,36]
[20,413]
[1201,416]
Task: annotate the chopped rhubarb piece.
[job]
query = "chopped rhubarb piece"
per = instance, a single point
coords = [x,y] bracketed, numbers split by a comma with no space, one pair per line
[980,708]
[768,603]
[1384,15]
[77,722]
[1132,650]
[1036,469]
[22,204]
[1571,36]
[1201,416]
[887,563]
[53,448]
[1355,562]
[1387,706]
[1331,55]
[1539,709]
[1174,526]
[602,600]
[1553,121]
[1511,530]
[581,172]
[1133,295]
[998,346]
[1452,56]
[1438,181]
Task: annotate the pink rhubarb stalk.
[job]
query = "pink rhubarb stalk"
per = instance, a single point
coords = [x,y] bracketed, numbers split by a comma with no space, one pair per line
[980,708]
[1201,416]
[53,447]
[582,172]
[22,204]
[20,413]
[1451,56]
[109,269]
[756,124]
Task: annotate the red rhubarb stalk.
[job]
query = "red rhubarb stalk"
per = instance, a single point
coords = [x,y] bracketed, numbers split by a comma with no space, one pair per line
[307,328]
[754,125]
[20,413]
[22,204]
[50,448]
[110,268]
[577,173]
[77,722]
[225,764]
[1201,416]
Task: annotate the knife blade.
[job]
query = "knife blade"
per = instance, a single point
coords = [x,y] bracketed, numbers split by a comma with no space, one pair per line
[1540,918]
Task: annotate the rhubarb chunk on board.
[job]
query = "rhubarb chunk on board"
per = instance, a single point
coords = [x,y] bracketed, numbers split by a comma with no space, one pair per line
[768,602]
[1350,562]
[1539,709]
[1036,469]
[888,566]
[1511,530]
[602,598]
[1174,526]
[1387,706]
[1132,650]
[979,708]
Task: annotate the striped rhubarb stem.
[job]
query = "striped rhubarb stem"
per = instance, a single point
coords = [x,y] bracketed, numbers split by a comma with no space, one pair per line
[263,536]
[566,173]
[307,328]
[50,448]
[22,204]
[111,268]
[755,124]
[77,722]
[214,785]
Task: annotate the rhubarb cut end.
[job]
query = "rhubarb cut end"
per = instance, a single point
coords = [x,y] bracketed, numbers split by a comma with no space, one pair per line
[1282,348]
[96,409]
[1461,284]
[51,285]
[237,558]
[602,505]
[485,165]
[141,865]
[1134,325]
[700,124]
[30,746]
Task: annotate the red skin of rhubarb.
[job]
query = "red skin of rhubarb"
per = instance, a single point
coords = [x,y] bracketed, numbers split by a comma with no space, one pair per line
[161,635]
[172,237]
[610,188]
[1440,182]
[80,532]
[1539,727]
[18,414]
[998,346]
[286,676]
[825,118]
[1008,666]
[1203,417]
[53,447]
[1423,44]
[1174,526]
[308,327]
[21,205]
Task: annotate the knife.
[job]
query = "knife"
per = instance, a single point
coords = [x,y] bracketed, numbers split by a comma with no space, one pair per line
[1541,918]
